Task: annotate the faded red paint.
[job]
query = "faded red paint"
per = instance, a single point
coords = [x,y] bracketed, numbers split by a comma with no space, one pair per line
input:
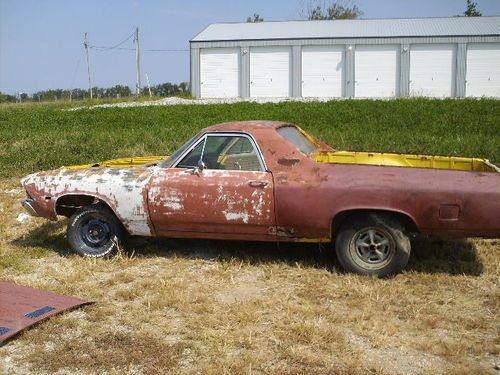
[299,198]
[21,307]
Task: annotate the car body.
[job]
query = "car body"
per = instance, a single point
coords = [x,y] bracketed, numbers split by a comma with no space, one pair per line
[272,181]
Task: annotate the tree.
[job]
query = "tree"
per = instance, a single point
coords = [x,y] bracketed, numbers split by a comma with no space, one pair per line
[5,98]
[316,10]
[256,18]
[471,10]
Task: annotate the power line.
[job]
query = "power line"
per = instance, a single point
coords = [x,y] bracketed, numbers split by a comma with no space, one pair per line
[146,50]
[117,47]
[74,73]
[112,47]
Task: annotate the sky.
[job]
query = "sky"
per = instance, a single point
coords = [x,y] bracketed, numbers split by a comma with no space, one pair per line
[41,41]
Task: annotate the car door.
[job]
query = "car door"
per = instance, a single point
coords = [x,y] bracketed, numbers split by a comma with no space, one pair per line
[219,188]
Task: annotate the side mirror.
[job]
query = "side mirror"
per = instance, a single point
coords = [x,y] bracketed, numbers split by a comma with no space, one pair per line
[201,165]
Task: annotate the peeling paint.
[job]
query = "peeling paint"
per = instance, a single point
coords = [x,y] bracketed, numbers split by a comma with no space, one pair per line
[232,216]
[121,189]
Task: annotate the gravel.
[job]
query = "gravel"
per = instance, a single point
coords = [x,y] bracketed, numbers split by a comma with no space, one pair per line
[181,101]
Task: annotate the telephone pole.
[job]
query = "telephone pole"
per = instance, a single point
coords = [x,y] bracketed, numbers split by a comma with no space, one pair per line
[86,45]
[149,86]
[138,62]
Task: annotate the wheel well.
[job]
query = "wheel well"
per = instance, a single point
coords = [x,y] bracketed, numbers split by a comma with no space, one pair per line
[404,219]
[67,205]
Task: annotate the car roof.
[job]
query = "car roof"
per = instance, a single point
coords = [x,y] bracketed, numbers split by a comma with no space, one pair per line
[246,126]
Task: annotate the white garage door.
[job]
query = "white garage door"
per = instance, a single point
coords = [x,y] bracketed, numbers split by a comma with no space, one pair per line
[376,70]
[432,70]
[219,72]
[483,69]
[322,71]
[269,72]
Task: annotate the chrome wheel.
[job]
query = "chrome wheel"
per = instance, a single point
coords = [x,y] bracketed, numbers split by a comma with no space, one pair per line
[372,248]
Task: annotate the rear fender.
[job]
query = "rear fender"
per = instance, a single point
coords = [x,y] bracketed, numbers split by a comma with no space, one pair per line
[406,219]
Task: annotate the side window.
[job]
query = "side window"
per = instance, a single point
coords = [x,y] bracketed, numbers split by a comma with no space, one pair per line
[228,153]
[239,154]
[191,159]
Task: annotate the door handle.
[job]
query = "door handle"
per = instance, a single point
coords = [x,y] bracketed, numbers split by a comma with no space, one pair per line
[258,183]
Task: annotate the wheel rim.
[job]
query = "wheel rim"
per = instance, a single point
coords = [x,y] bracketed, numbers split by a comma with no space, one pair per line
[372,248]
[95,232]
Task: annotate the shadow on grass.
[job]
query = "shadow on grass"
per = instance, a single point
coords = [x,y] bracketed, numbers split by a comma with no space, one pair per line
[429,256]
[50,235]
[454,257]
[253,253]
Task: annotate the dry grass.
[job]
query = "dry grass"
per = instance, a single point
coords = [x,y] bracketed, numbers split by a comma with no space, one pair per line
[185,306]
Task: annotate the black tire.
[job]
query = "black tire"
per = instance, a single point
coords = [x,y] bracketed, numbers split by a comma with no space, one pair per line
[94,231]
[372,244]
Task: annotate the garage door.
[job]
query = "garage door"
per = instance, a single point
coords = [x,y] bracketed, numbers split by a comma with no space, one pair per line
[432,70]
[219,72]
[322,71]
[270,72]
[376,70]
[483,69]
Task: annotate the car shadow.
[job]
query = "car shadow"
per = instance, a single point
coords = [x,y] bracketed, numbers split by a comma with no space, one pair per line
[452,257]
[253,253]
[50,235]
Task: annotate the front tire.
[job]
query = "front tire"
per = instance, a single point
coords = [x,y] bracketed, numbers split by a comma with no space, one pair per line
[372,244]
[94,231]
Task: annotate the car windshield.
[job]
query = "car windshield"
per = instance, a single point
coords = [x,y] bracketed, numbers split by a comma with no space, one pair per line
[294,135]
[171,159]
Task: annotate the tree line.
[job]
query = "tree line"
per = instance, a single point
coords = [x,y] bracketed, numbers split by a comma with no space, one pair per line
[319,10]
[118,91]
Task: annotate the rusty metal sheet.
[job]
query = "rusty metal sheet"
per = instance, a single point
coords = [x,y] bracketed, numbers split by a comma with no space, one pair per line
[21,307]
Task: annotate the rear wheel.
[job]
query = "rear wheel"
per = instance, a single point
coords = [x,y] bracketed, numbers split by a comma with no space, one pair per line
[372,244]
[94,231]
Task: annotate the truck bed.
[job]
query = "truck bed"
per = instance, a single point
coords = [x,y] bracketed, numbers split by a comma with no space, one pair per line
[405,160]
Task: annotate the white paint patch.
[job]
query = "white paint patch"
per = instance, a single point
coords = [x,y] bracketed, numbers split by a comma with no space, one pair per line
[233,216]
[170,198]
[120,188]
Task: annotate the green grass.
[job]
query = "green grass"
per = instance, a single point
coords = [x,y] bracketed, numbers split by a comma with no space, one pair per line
[37,137]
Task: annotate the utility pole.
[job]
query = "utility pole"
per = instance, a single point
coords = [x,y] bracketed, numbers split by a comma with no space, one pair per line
[138,61]
[149,86]
[86,45]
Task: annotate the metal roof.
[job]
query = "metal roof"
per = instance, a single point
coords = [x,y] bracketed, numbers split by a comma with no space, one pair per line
[370,28]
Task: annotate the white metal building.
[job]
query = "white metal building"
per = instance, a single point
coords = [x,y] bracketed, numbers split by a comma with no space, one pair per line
[434,57]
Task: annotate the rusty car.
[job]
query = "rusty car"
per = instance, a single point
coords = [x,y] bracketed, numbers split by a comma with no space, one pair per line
[272,181]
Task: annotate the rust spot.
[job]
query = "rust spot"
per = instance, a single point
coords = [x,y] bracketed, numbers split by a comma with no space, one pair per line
[285,232]
[288,162]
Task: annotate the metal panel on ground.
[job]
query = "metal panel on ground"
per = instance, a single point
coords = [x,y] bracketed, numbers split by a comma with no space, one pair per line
[21,307]
[376,69]
[270,72]
[322,71]
[219,72]
[432,70]
[483,70]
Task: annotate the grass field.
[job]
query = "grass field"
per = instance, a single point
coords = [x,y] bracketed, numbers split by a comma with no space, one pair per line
[35,137]
[213,307]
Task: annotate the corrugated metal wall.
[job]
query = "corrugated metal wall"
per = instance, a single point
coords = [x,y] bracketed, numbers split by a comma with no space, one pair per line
[482,79]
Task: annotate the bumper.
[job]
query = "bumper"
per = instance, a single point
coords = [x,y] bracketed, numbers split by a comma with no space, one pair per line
[28,205]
